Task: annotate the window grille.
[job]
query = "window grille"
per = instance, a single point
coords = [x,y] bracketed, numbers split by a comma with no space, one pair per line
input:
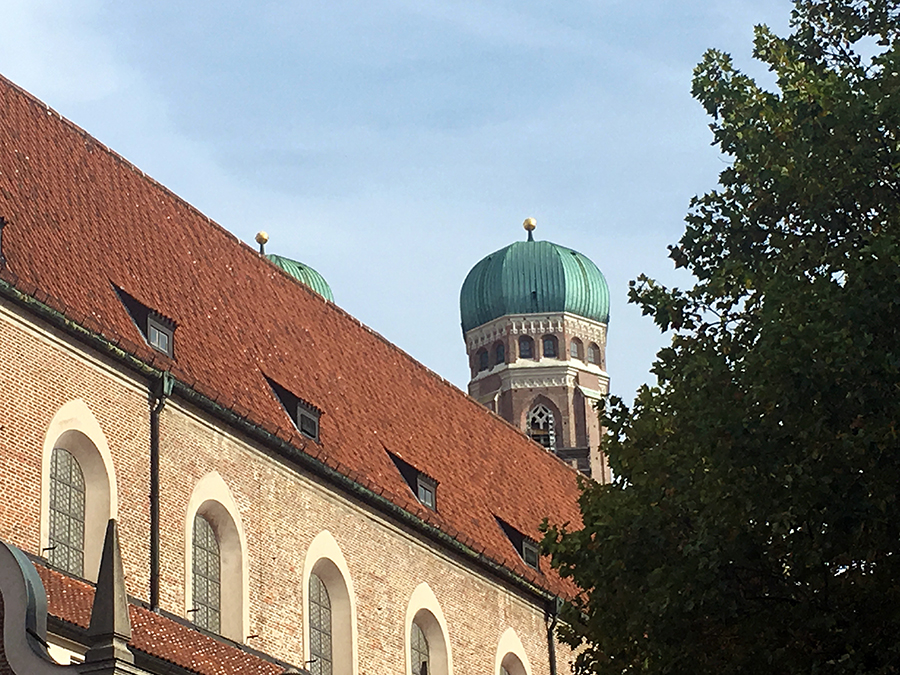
[320,648]
[419,650]
[207,571]
[66,513]
[542,426]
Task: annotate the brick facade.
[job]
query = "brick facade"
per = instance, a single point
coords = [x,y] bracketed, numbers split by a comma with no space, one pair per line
[281,508]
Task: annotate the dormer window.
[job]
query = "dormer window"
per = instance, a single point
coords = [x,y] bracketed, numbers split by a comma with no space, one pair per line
[303,414]
[159,336]
[426,491]
[525,546]
[424,487]
[157,330]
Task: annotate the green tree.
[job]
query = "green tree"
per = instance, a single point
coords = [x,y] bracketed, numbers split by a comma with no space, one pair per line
[753,524]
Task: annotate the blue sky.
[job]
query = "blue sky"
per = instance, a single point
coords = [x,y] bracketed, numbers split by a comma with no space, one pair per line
[391,145]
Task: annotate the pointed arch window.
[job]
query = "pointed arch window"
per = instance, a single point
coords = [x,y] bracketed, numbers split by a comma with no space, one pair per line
[419,650]
[206,577]
[320,649]
[67,497]
[542,426]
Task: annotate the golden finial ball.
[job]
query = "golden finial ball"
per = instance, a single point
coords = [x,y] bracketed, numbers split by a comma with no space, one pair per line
[262,237]
[529,224]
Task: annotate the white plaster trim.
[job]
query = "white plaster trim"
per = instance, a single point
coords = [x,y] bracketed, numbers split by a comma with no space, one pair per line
[424,609]
[511,655]
[213,500]
[325,559]
[75,428]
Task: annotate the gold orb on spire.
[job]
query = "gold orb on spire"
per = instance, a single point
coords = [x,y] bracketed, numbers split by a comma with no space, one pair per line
[529,224]
[262,237]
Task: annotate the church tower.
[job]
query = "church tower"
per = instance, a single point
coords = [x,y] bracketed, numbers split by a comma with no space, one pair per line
[534,317]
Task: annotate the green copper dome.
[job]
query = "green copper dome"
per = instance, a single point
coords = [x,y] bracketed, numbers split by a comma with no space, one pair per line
[304,274]
[533,277]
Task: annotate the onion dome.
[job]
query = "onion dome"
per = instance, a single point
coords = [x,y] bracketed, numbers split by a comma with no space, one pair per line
[304,274]
[533,277]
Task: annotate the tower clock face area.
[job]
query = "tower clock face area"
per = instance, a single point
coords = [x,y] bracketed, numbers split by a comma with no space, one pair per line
[534,316]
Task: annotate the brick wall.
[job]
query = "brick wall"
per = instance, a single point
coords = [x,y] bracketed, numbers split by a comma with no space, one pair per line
[281,509]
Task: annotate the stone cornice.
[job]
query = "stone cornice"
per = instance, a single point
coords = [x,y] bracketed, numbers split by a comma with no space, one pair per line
[536,324]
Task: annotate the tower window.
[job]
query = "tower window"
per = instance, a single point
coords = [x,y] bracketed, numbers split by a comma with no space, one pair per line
[542,426]
[594,354]
[526,347]
[66,513]
[483,360]
[320,648]
[499,354]
[550,346]
[206,574]
[575,349]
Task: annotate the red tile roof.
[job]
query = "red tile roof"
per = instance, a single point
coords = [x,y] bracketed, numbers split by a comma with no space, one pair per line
[154,634]
[80,219]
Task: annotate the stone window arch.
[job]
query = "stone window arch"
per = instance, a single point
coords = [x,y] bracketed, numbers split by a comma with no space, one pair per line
[75,444]
[594,354]
[325,569]
[550,346]
[541,426]
[576,349]
[526,347]
[426,627]
[212,503]
[511,658]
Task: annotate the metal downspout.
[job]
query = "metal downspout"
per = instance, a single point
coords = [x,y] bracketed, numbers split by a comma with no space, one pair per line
[553,612]
[160,389]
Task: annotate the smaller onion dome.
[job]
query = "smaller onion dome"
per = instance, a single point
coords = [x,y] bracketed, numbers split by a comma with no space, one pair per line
[533,277]
[304,274]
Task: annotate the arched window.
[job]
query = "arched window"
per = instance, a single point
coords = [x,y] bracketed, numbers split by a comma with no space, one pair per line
[542,426]
[206,576]
[483,360]
[550,346]
[526,347]
[215,557]
[418,647]
[67,495]
[320,652]
[576,349]
[329,633]
[594,354]
[427,647]
[511,659]
[499,354]
[78,490]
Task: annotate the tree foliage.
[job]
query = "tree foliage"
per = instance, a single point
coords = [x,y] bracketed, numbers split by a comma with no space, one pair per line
[753,524]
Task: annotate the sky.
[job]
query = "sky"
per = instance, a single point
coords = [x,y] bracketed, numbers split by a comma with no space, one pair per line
[393,144]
